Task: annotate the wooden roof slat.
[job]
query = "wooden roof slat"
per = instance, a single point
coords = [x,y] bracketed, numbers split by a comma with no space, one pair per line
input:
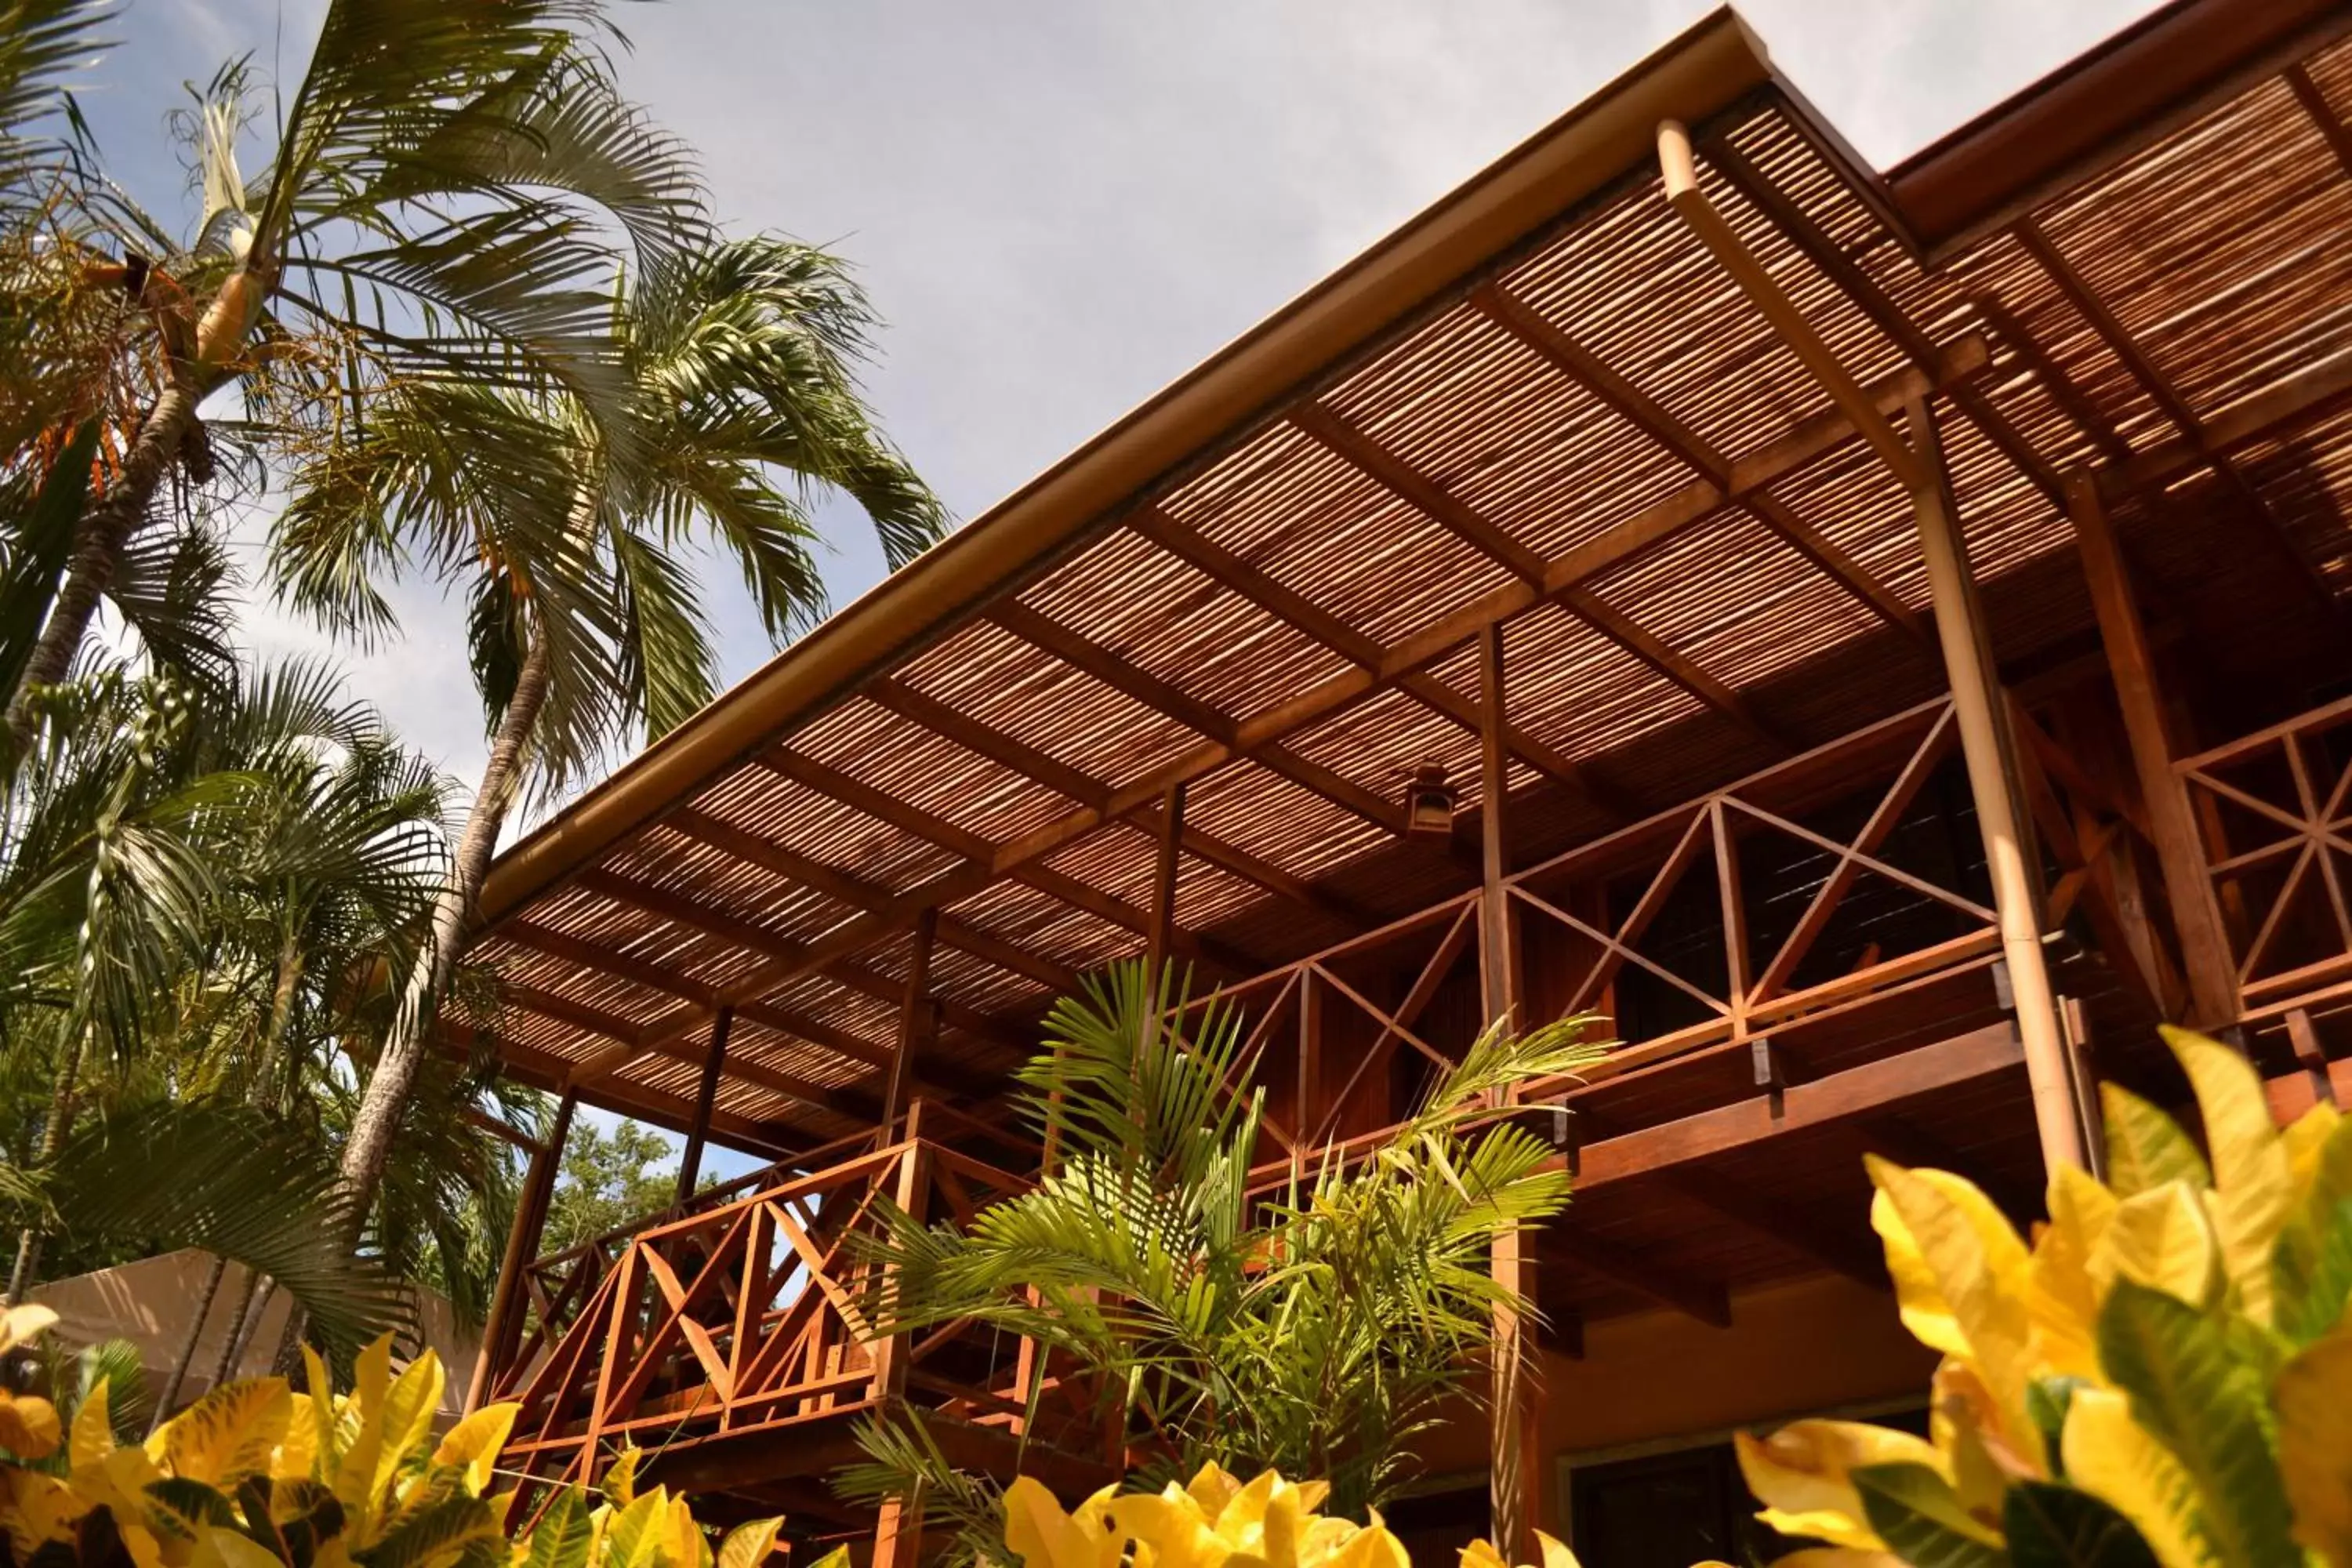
[1278,598]
[1539,332]
[1427,496]
[1081,653]
[860,894]
[1077,784]
[2159,386]
[855,792]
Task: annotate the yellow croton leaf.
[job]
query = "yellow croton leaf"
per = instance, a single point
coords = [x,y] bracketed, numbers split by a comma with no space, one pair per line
[1045,1537]
[2306,1139]
[326,1454]
[28,1425]
[2062,1301]
[2254,1180]
[1921,1304]
[2114,1459]
[2312,1396]
[474,1442]
[2162,1238]
[1800,1473]
[1483,1553]
[24,1324]
[91,1437]
[1978,1268]
[1373,1546]
[229,1434]
[356,1454]
[748,1545]
[37,1508]
[408,1409]
[297,1451]
[221,1548]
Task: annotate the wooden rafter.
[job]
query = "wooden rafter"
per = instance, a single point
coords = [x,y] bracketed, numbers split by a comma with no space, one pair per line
[1538,331]
[880,803]
[1705,1299]
[1287,604]
[1086,790]
[859,894]
[1773,461]
[1798,228]
[1498,543]
[2159,386]
[1163,696]
[2314,103]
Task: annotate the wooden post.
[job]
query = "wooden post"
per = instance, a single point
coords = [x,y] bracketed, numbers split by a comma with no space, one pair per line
[1162,921]
[1992,781]
[914,1019]
[714,1063]
[1514,1479]
[502,1328]
[898,1528]
[1496,971]
[2205,952]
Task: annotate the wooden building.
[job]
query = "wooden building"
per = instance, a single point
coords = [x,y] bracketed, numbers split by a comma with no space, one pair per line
[1883,638]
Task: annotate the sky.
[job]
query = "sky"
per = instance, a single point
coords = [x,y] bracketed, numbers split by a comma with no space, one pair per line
[1057,207]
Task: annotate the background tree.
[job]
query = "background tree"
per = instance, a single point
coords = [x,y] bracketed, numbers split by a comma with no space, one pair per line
[1315,1326]
[447,196]
[607,1179]
[585,623]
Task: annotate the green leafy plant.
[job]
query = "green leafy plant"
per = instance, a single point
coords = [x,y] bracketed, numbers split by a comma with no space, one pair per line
[1313,1321]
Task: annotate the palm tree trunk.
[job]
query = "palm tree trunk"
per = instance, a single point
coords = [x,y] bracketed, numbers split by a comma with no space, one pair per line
[170,1394]
[369,1143]
[104,531]
[53,1142]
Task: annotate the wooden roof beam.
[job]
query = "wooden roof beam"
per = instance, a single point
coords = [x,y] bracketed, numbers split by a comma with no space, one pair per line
[1709,1301]
[631,1043]
[1287,604]
[1864,291]
[1800,444]
[546,1071]
[2159,388]
[879,804]
[1684,672]
[1086,790]
[2314,103]
[1124,676]
[1431,498]
[860,894]
[1538,331]
[1788,323]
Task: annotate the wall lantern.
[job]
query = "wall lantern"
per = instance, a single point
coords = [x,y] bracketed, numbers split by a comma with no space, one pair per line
[1428,803]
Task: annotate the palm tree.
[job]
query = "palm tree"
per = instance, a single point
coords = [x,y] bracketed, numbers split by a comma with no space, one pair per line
[1316,1323]
[442,201]
[585,623]
[120,847]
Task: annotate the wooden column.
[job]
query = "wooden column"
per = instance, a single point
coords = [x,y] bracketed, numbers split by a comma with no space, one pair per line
[1515,1474]
[502,1328]
[1992,781]
[898,1527]
[714,1065]
[914,1019]
[1162,924]
[2204,951]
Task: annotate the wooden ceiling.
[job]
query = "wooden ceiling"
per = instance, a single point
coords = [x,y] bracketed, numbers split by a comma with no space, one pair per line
[1591,437]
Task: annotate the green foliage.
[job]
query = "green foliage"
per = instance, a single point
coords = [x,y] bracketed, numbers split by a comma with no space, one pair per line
[1313,1321]
[608,1180]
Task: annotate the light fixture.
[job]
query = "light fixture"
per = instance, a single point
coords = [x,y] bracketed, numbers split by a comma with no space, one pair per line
[1428,803]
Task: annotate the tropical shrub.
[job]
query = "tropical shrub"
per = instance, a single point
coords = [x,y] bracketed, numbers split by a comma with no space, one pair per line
[2164,1376]
[1214,1520]
[253,1475]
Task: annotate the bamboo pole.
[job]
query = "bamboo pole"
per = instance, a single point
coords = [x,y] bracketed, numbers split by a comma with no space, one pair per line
[1960,626]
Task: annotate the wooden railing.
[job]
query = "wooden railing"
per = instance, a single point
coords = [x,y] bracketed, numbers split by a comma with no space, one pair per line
[745,1311]
[2276,810]
[1781,869]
